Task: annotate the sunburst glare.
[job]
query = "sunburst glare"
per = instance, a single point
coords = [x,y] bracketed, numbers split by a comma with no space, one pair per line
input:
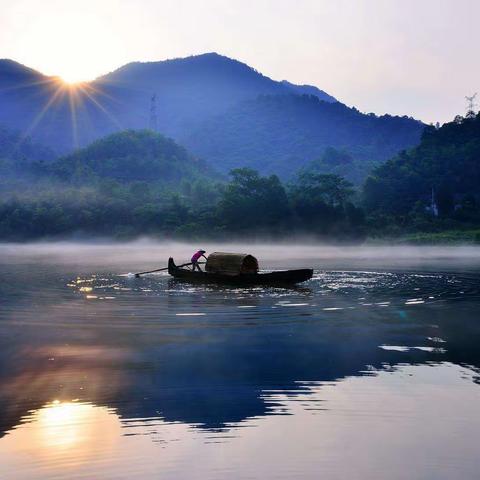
[73,79]
[76,96]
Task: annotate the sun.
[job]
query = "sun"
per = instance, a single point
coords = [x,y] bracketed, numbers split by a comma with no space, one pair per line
[73,78]
[73,68]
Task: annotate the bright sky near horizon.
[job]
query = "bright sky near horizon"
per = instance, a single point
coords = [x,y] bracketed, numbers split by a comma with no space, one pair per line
[408,57]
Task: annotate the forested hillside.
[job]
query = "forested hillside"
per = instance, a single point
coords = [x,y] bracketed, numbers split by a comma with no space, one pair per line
[129,156]
[16,147]
[132,182]
[141,183]
[447,160]
[18,153]
[446,163]
[281,133]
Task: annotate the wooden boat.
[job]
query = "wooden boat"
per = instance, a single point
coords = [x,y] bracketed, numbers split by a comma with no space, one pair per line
[237,269]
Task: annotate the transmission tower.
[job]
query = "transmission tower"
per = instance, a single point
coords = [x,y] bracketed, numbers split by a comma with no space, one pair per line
[152,124]
[471,104]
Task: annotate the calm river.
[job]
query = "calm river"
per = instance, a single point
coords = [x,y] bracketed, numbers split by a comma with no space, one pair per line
[371,370]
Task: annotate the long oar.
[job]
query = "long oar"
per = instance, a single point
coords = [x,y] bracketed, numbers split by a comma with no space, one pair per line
[165,268]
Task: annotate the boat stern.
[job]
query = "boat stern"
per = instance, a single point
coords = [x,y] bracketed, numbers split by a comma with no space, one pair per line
[171,266]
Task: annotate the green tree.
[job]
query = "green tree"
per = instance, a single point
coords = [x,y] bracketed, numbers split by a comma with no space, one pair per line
[330,189]
[251,202]
[320,202]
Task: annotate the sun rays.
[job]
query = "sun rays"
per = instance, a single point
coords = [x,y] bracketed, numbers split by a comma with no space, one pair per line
[56,100]
[90,91]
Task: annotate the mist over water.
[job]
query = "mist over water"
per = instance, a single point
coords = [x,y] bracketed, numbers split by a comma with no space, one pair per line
[146,252]
[370,367]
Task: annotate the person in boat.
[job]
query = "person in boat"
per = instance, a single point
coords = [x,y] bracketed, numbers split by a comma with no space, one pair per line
[196,257]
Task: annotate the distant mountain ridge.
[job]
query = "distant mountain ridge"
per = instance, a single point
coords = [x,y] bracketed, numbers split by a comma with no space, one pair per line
[191,94]
[232,76]
[188,91]
[12,69]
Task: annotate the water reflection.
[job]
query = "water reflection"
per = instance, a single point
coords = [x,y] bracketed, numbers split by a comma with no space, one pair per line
[58,438]
[360,427]
[66,426]
[154,363]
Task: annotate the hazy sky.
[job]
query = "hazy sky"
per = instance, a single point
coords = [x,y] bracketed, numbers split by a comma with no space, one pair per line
[407,57]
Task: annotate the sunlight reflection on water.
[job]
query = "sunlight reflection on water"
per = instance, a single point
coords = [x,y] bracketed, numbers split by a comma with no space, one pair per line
[340,420]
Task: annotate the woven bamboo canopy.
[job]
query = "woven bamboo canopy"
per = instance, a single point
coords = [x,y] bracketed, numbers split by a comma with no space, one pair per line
[231,263]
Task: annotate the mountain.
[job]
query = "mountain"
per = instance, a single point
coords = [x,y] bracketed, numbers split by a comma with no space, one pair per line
[188,91]
[15,74]
[18,154]
[220,108]
[447,160]
[282,133]
[132,155]
[16,147]
[221,80]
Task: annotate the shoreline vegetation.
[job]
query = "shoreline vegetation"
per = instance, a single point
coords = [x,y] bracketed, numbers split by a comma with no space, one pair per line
[139,183]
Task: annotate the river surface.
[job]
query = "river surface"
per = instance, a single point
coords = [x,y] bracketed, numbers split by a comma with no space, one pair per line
[368,371]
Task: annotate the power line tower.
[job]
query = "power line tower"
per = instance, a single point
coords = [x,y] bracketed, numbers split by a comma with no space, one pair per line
[471,104]
[153,124]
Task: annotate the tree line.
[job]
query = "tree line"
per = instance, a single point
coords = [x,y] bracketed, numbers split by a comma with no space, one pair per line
[249,205]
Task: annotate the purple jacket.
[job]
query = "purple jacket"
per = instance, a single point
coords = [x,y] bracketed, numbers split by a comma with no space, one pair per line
[196,256]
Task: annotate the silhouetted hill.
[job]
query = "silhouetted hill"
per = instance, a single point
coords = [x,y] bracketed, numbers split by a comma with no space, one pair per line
[281,133]
[206,83]
[11,71]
